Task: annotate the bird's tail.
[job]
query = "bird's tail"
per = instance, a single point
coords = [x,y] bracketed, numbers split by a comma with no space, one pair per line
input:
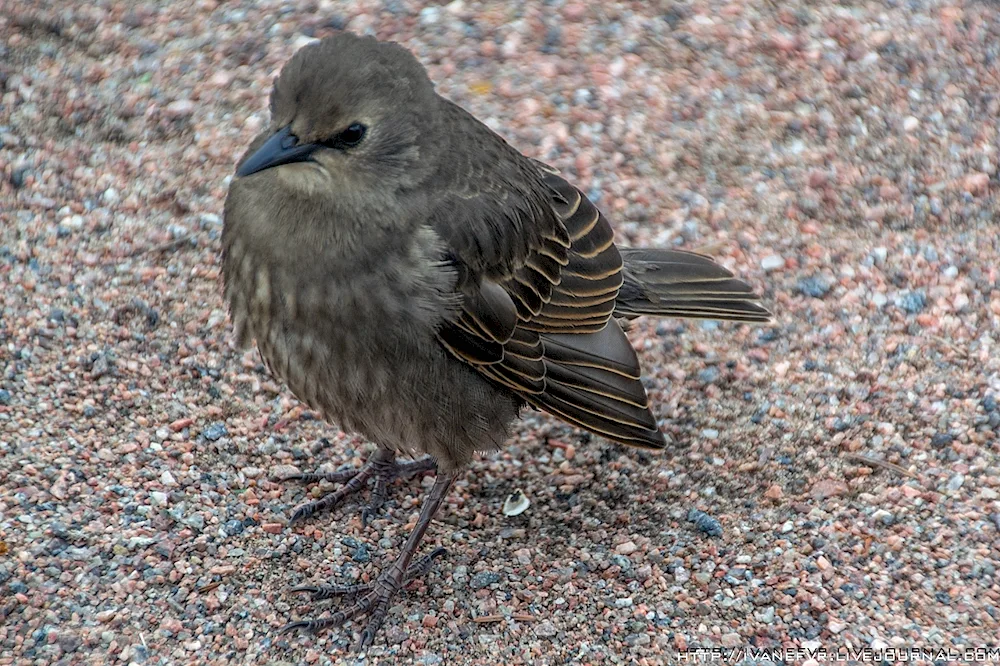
[674,283]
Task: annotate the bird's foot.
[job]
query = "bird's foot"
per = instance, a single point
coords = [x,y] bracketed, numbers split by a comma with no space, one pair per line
[381,465]
[371,598]
[374,598]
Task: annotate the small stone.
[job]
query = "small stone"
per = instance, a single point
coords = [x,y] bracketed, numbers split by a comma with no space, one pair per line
[942,439]
[180,108]
[826,488]
[823,563]
[624,602]
[167,478]
[233,527]
[252,472]
[429,620]
[956,482]
[774,492]
[815,286]
[705,522]
[272,528]
[731,640]
[976,183]
[430,15]
[180,424]
[709,375]
[72,223]
[546,630]
[772,262]
[157,498]
[883,516]
[787,527]
[215,432]
[109,197]
[910,123]
[911,302]
[836,627]
[483,579]
[626,548]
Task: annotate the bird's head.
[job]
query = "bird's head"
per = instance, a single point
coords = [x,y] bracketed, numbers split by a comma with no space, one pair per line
[344,110]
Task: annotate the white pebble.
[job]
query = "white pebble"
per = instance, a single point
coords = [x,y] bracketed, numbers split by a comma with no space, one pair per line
[626,548]
[73,222]
[430,15]
[157,498]
[772,262]
[110,196]
[167,478]
[910,123]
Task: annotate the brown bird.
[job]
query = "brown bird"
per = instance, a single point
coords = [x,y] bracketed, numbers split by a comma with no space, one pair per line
[417,280]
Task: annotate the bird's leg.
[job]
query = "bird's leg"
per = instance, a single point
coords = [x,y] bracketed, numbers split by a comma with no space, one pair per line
[374,598]
[381,464]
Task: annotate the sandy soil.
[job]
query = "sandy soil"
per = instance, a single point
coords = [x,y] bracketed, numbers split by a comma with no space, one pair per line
[843,158]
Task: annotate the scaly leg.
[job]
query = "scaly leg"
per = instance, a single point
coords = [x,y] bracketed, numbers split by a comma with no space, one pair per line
[375,597]
[381,464]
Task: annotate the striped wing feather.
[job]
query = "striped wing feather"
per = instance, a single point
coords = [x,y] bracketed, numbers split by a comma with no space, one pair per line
[565,354]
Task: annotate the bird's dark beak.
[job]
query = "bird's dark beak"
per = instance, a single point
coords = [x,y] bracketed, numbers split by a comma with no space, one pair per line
[282,148]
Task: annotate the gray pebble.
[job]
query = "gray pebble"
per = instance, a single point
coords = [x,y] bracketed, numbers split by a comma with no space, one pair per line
[705,522]
[815,286]
[483,579]
[215,432]
[911,302]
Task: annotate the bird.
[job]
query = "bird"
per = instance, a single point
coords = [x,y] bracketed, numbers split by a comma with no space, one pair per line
[415,279]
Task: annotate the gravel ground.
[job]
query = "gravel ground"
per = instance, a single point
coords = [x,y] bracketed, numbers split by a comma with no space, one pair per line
[842,158]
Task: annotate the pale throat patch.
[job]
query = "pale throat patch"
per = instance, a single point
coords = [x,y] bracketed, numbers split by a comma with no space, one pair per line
[306,177]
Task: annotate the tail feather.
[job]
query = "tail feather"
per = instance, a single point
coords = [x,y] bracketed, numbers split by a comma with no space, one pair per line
[676,283]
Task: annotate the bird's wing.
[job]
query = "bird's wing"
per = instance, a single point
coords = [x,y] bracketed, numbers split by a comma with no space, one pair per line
[539,275]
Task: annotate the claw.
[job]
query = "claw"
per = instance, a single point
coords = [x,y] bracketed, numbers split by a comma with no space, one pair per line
[381,465]
[374,598]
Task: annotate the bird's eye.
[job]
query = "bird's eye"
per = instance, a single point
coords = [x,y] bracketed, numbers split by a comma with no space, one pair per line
[352,136]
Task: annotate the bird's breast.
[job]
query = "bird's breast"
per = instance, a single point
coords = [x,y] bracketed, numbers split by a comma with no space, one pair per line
[337,337]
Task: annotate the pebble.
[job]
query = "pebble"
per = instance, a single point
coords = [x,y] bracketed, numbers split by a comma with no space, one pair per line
[483,579]
[180,108]
[215,432]
[772,262]
[626,548]
[705,522]
[911,302]
[157,498]
[814,286]
[546,629]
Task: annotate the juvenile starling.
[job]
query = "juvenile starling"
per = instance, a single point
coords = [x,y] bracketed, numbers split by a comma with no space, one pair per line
[417,280]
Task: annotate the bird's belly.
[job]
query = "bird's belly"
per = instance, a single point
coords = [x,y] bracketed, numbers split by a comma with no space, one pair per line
[389,380]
